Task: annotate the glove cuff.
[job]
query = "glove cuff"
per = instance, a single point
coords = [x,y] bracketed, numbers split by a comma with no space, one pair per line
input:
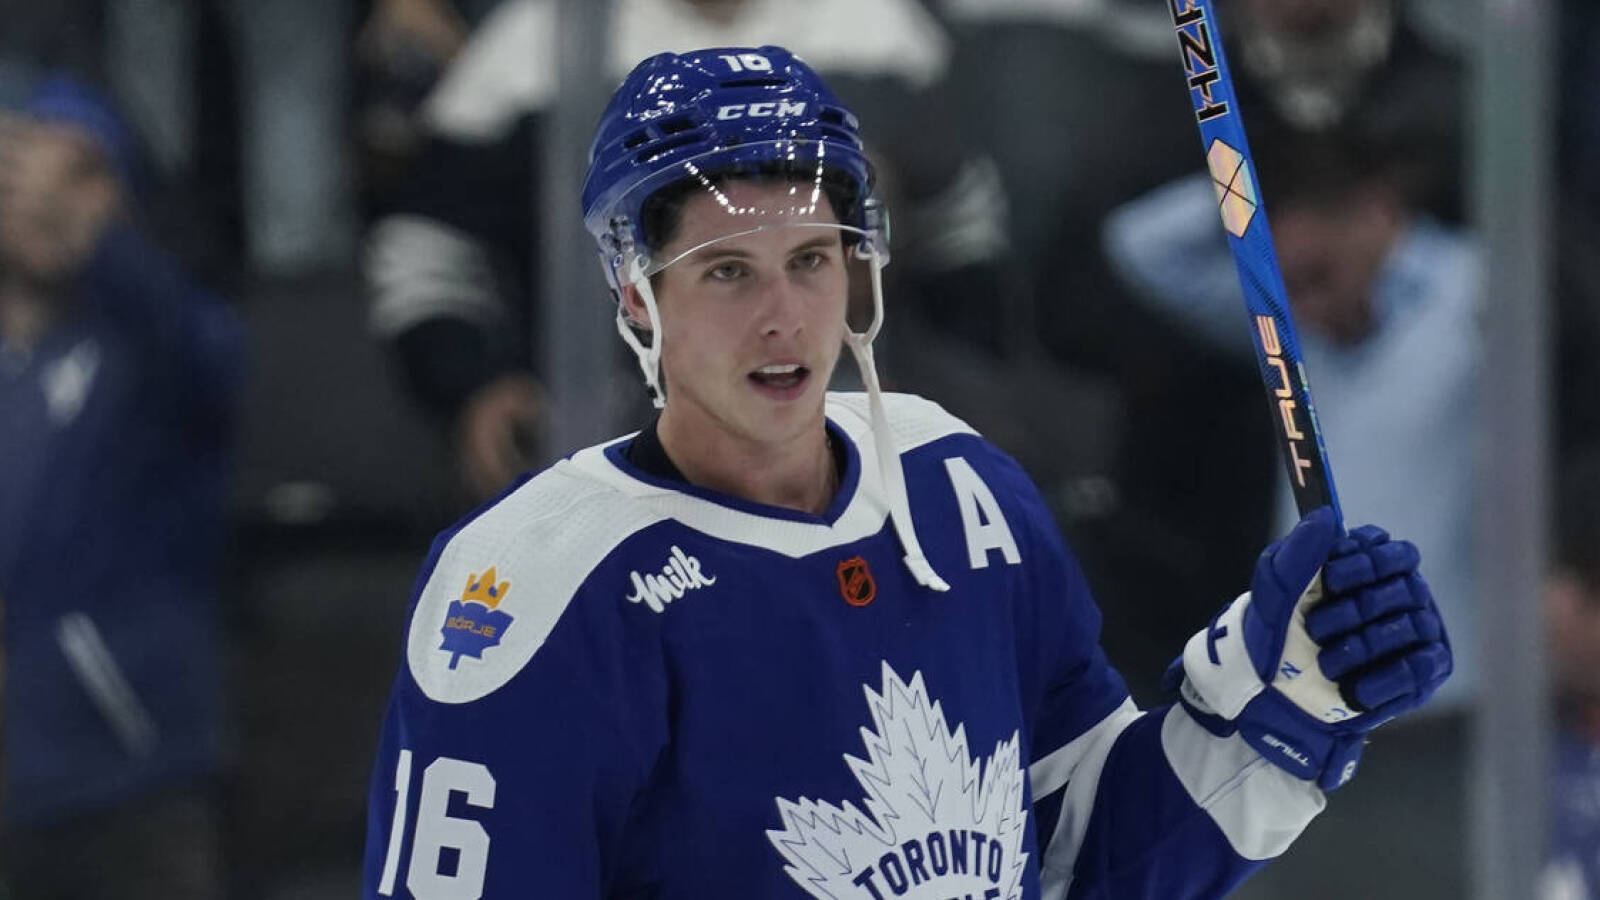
[1291,740]
[1280,734]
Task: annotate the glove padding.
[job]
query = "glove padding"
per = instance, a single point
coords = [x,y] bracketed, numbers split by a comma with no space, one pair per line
[1337,636]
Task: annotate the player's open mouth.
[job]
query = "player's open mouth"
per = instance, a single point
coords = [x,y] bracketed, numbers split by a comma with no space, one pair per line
[784,378]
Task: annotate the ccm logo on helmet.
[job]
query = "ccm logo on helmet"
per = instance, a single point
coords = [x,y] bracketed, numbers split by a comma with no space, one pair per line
[781,108]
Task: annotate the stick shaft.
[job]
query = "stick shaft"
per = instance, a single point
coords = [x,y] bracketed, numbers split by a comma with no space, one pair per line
[1244,217]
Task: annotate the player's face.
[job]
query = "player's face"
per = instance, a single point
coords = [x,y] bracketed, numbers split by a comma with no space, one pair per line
[1572,620]
[1332,255]
[753,323]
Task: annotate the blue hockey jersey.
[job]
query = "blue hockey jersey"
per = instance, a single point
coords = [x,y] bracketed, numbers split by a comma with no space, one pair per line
[616,685]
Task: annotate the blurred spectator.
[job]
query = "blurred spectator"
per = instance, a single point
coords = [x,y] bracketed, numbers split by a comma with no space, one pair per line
[117,385]
[450,263]
[1386,300]
[1572,621]
[1362,69]
[402,49]
[1310,57]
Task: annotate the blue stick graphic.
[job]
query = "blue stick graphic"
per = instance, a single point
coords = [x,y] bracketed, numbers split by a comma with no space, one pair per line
[1245,219]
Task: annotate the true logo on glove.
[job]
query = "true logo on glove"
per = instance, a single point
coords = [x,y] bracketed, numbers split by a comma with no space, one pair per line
[1277,744]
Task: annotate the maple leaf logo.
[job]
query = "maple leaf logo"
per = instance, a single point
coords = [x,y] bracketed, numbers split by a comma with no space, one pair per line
[938,823]
[474,623]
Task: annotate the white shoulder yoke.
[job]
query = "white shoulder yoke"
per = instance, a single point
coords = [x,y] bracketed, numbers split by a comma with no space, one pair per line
[545,538]
[542,540]
[914,420]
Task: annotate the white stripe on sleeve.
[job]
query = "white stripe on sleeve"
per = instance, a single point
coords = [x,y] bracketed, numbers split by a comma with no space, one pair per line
[1259,807]
[1051,774]
[1077,766]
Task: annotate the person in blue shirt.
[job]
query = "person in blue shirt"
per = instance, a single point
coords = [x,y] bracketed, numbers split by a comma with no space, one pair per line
[784,642]
[118,378]
[1388,300]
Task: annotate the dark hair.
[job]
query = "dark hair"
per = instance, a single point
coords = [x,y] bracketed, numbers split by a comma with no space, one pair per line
[1323,169]
[661,215]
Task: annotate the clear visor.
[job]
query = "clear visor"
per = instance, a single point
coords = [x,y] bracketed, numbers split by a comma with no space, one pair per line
[759,219]
[737,191]
[806,257]
[854,243]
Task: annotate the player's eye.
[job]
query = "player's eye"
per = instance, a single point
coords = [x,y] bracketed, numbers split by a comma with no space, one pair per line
[729,270]
[810,260]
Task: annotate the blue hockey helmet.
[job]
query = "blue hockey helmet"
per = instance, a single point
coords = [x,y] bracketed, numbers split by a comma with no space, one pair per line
[695,118]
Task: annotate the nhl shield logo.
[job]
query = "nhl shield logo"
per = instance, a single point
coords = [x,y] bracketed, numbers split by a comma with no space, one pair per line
[855,582]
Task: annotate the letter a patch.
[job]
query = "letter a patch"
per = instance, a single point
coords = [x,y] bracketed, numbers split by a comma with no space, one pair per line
[981,520]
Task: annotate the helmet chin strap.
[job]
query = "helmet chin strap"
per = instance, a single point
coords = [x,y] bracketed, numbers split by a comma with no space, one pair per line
[649,357]
[894,477]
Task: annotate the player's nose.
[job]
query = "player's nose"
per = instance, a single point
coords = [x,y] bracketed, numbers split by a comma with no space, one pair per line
[783,307]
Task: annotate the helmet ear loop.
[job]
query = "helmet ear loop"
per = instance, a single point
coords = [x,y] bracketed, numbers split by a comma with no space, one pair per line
[860,344]
[865,250]
[649,356]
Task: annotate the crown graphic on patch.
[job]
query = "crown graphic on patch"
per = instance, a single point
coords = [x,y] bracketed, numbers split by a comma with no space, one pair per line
[469,632]
[484,591]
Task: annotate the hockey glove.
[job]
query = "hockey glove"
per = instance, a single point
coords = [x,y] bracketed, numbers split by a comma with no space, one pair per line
[1336,636]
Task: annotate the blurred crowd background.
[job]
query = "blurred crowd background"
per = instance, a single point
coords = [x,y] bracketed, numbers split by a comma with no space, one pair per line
[271,315]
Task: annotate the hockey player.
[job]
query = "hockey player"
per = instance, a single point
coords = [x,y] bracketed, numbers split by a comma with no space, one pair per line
[787,643]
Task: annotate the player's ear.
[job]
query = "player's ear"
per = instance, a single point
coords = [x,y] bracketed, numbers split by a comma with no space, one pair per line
[633,306]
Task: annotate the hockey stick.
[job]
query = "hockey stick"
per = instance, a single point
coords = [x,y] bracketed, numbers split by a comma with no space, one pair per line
[1245,219]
